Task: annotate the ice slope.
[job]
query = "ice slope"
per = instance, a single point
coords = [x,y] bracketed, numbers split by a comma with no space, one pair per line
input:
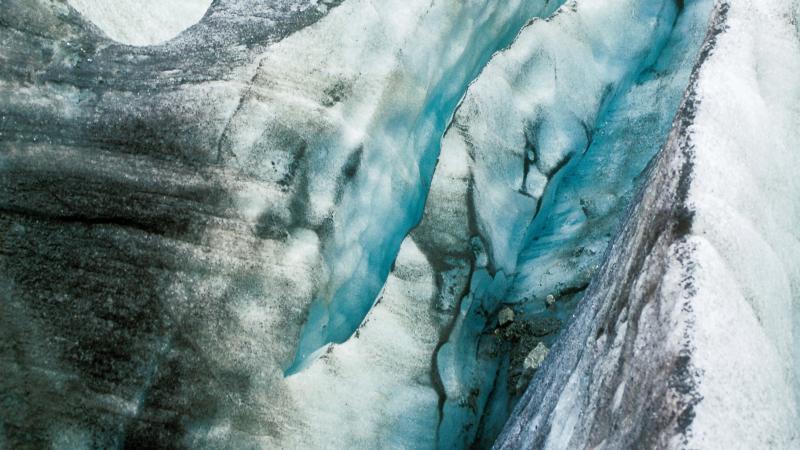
[580,216]
[687,338]
[744,240]
[397,98]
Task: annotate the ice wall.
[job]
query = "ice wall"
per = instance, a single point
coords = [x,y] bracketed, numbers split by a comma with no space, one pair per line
[398,99]
[744,240]
[548,239]
[682,341]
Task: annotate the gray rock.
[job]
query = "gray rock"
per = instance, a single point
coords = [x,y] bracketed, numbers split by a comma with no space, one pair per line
[536,357]
[505,317]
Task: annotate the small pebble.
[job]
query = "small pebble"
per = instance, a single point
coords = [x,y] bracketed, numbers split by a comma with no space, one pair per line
[535,358]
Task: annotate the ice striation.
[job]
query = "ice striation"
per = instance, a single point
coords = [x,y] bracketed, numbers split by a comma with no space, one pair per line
[399,224]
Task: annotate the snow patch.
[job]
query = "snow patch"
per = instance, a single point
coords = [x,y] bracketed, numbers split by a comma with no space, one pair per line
[142,22]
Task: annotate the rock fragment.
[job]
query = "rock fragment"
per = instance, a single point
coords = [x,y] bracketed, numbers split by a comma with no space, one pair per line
[505,317]
[536,357]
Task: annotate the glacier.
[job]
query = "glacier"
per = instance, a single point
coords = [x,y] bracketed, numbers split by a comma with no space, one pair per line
[399,224]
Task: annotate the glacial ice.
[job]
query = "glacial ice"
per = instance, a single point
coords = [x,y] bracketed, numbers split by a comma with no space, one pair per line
[560,192]
[399,224]
[142,22]
[744,239]
[399,105]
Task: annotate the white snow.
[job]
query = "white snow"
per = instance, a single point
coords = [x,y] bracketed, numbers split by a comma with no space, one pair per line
[142,22]
[746,194]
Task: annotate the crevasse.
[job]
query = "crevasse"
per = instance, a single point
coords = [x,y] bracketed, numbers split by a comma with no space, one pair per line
[458,247]
[687,337]
[381,205]
[563,85]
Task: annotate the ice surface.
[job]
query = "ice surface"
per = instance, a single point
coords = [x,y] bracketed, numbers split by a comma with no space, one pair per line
[369,224]
[375,391]
[142,22]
